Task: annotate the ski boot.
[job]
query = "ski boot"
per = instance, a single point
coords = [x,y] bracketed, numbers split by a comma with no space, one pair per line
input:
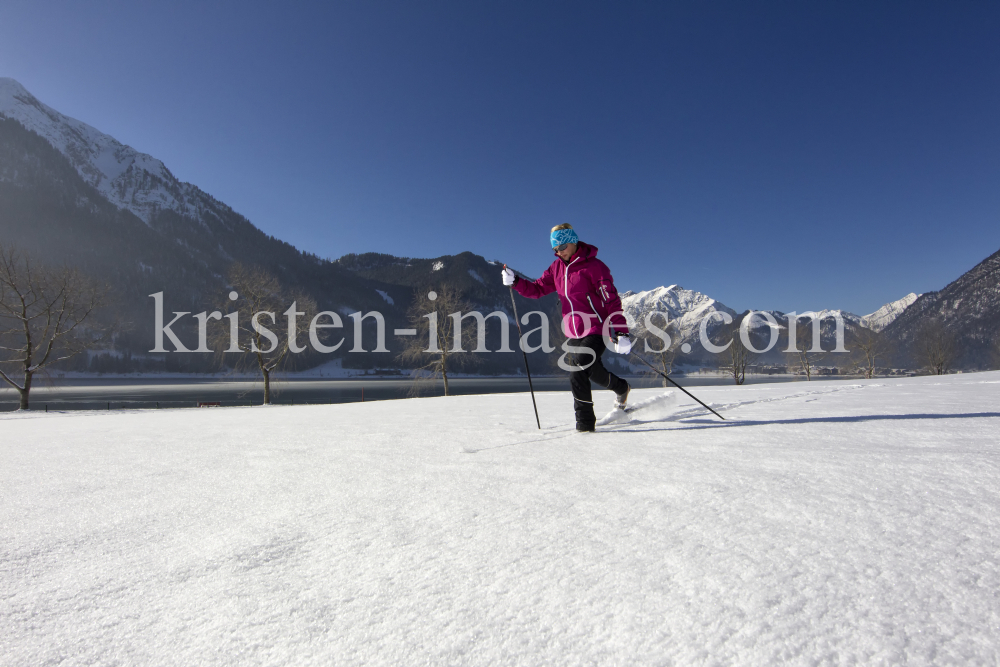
[621,400]
[586,421]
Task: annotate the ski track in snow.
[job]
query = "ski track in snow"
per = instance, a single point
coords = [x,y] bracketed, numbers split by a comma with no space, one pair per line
[617,417]
[699,411]
[843,524]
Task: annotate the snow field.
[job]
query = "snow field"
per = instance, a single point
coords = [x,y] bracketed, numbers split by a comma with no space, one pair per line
[822,523]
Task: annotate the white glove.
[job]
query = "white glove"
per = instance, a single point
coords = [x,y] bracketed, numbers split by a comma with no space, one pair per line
[508,277]
[623,345]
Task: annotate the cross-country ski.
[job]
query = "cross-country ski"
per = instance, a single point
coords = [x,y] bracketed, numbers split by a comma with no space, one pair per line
[654,407]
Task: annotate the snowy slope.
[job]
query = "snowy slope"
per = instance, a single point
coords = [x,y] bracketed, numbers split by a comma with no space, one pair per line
[885,315]
[129,179]
[828,313]
[822,523]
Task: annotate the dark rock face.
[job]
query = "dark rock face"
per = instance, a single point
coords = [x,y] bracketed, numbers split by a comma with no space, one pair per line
[968,308]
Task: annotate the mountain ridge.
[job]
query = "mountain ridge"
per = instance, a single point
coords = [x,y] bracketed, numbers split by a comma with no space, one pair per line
[128,178]
[968,308]
[195,237]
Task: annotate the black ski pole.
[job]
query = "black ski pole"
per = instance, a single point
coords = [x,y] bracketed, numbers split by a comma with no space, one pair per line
[671,381]
[531,388]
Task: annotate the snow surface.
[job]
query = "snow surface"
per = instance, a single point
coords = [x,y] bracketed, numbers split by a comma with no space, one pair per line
[821,523]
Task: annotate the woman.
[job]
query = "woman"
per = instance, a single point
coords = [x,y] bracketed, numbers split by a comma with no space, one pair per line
[589,299]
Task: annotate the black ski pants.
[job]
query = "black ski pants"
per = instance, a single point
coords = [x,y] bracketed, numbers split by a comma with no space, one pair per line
[579,381]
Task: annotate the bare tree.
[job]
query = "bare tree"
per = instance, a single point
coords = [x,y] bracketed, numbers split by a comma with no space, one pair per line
[662,355]
[934,347]
[260,341]
[46,316]
[869,346]
[735,360]
[430,316]
[804,355]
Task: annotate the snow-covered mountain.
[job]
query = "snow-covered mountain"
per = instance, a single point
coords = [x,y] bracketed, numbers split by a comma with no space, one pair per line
[72,194]
[686,309]
[885,315]
[875,321]
[127,178]
[75,194]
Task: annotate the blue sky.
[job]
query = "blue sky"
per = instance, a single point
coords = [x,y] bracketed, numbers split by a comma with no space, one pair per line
[781,155]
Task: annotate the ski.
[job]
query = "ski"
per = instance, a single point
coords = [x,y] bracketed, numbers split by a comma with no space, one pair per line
[661,403]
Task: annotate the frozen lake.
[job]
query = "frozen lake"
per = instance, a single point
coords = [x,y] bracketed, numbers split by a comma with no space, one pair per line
[118,393]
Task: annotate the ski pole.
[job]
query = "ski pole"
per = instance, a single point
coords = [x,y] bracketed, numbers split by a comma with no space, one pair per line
[671,381]
[517,321]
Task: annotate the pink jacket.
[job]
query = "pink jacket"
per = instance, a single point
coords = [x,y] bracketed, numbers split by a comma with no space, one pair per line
[585,289]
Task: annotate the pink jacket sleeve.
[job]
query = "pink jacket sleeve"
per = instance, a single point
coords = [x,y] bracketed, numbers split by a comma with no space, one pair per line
[536,289]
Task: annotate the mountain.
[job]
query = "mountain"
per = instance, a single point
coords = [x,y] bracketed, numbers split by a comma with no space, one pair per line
[685,308]
[688,308]
[70,193]
[130,180]
[478,279]
[885,315]
[968,308]
[475,276]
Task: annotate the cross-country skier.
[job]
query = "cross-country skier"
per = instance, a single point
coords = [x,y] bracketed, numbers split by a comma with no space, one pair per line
[588,297]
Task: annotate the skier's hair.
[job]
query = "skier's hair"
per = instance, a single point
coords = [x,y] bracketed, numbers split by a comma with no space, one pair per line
[564,225]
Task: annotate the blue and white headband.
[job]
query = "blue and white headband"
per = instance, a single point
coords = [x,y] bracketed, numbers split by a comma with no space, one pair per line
[561,236]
